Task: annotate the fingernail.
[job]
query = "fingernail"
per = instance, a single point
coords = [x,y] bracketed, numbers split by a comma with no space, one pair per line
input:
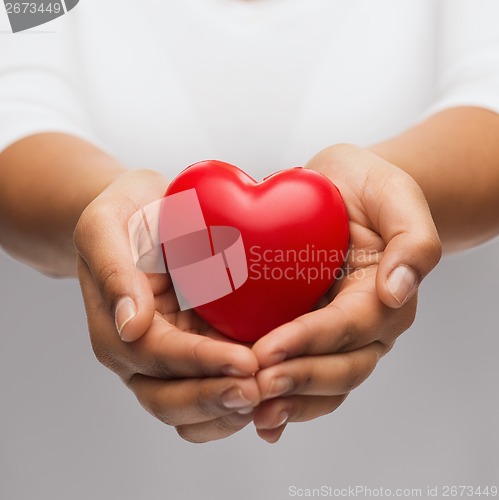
[125,312]
[281,419]
[231,371]
[245,411]
[402,283]
[234,398]
[278,387]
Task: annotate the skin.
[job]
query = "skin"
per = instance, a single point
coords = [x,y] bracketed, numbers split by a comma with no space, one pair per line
[74,220]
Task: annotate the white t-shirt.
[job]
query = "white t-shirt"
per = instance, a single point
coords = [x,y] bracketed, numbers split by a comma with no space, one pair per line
[264,84]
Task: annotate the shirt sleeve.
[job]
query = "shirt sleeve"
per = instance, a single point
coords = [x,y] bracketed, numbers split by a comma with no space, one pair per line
[40,86]
[468,57]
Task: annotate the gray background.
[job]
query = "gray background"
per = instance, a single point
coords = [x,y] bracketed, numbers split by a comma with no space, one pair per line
[428,415]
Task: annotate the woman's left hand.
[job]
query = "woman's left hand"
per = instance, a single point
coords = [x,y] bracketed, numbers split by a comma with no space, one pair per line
[310,365]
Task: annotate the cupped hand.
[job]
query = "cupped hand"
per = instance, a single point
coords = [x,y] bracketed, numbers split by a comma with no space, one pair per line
[310,365]
[180,369]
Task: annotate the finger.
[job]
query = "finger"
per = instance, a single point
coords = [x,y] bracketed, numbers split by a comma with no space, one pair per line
[167,352]
[354,319]
[327,375]
[102,239]
[166,303]
[395,207]
[406,261]
[164,351]
[271,435]
[192,401]
[213,430]
[274,413]
[272,416]
[396,204]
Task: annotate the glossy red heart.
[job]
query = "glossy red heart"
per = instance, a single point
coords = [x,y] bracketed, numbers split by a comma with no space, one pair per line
[294,227]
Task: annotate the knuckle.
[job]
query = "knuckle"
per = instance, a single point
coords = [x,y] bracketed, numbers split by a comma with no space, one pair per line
[88,224]
[226,424]
[161,369]
[107,275]
[386,346]
[158,349]
[343,148]
[401,321]
[206,403]
[353,375]
[303,332]
[336,402]
[184,432]
[81,268]
[104,355]
[297,412]
[431,248]
[157,409]
[297,408]
[408,318]
[304,384]
[350,333]
[147,173]
[348,337]
[435,247]
[204,407]
[80,232]
[428,253]
[333,404]
[104,214]
[101,353]
[406,183]
[397,322]
[152,401]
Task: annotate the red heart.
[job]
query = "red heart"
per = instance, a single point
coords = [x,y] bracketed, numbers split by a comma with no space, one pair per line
[294,226]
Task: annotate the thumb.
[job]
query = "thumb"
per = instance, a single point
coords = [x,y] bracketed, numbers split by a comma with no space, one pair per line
[413,247]
[101,238]
[396,209]
[407,259]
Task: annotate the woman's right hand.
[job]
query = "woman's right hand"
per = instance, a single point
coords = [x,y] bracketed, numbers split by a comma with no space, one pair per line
[181,370]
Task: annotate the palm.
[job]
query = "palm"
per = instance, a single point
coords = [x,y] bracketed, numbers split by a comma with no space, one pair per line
[167,305]
[357,283]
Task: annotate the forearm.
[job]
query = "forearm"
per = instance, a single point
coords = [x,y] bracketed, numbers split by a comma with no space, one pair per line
[47,180]
[454,157]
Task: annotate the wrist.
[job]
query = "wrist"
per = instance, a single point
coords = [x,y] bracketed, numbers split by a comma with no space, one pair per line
[48,180]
